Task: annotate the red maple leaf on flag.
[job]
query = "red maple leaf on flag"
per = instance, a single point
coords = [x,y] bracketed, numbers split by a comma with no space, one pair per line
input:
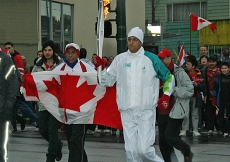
[68,94]
[202,20]
[53,87]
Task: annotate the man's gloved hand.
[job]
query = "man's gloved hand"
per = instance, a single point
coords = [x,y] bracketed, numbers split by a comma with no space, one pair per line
[99,62]
[214,102]
[163,102]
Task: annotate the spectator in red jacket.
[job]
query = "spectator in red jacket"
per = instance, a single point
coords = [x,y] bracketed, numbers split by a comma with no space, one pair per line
[16,56]
[20,101]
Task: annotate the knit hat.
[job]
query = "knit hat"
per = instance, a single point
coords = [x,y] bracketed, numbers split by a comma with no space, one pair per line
[49,43]
[75,46]
[136,32]
[164,53]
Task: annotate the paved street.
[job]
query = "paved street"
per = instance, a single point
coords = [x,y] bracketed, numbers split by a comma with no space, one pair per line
[28,146]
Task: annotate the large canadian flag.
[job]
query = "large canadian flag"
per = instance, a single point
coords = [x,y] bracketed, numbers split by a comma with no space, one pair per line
[73,98]
[181,56]
[198,23]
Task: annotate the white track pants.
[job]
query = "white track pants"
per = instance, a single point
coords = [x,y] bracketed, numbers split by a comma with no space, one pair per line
[139,135]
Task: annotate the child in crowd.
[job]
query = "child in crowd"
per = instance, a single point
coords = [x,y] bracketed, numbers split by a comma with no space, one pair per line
[221,93]
[194,103]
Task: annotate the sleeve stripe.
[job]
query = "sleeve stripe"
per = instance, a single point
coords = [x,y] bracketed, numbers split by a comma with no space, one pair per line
[168,85]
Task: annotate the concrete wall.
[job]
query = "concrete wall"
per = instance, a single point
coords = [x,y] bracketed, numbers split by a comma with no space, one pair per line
[20,23]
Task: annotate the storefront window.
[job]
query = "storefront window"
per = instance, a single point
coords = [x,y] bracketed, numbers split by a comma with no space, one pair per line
[56,21]
[67,16]
[45,20]
[60,27]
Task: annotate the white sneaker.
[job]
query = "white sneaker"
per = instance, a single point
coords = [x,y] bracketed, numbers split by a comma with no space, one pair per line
[210,133]
[182,133]
[219,132]
[225,135]
[117,132]
[34,124]
[98,130]
[90,132]
[36,130]
[196,133]
[107,131]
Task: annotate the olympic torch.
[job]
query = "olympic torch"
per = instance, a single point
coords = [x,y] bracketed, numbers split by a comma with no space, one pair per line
[100,35]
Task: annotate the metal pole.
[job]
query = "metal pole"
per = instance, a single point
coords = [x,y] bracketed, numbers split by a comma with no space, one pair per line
[121,27]
[162,35]
[190,34]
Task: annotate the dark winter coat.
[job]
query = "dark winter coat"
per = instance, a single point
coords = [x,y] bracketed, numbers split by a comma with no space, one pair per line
[9,85]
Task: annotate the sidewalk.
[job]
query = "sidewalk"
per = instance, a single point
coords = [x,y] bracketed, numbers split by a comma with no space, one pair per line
[28,146]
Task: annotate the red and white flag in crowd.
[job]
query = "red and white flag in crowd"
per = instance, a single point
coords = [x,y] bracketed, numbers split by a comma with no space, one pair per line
[5,51]
[198,23]
[181,55]
[72,98]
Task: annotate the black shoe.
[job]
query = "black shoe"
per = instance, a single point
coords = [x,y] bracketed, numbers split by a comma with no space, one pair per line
[59,154]
[23,125]
[14,130]
[189,158]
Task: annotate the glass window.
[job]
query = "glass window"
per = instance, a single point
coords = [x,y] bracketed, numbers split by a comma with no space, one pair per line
[56,20]
[45,20]
[60,27]
[67,16]
[181,11]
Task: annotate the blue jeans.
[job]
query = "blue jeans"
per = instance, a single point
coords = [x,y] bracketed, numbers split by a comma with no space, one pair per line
[25,109]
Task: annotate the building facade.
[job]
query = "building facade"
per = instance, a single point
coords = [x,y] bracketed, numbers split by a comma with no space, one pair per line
[28,23]
[174,17]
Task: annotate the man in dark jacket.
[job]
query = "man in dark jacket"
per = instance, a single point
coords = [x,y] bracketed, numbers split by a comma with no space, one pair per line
[225,55]
[8,87]
[48,124]
[209,74]
[20,103]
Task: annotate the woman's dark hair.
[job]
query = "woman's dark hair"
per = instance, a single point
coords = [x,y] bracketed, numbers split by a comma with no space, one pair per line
[192,60]
[203,56]
[105,58]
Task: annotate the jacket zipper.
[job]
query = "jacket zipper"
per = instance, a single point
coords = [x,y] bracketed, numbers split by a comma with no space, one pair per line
[182,108]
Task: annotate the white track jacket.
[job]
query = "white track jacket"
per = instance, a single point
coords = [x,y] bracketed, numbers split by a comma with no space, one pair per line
[137,79]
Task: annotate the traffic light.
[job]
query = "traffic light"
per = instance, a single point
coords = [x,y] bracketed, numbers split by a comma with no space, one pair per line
[107,28]
[107,23]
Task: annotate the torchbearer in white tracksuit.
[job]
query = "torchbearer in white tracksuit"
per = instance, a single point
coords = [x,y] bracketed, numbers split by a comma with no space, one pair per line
[137,73]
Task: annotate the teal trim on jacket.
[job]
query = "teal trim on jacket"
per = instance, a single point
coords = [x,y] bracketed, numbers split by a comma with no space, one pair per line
[162,72]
